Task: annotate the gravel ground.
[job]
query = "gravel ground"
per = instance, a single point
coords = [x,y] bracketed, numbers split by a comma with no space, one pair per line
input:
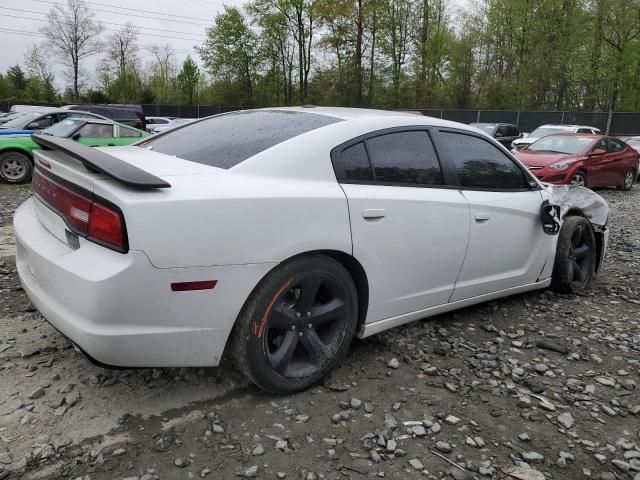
[530,387]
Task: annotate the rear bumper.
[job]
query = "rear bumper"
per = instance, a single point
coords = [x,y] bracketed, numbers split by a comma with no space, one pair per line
[119,308]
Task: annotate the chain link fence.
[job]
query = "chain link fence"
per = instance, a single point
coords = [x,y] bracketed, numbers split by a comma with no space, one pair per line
[622,123]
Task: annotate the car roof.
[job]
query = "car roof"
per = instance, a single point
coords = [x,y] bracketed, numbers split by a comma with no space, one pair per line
[345,113]
[566,127]
[94,120]
[577,135]
[365,114]
[493,123]
[59,110]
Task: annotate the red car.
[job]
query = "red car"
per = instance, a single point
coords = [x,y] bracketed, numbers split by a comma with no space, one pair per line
[581,159]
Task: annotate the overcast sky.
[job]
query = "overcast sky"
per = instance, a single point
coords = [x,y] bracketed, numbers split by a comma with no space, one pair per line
[180,24]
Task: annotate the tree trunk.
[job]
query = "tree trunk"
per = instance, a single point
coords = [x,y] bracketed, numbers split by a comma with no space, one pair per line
[372,59]
[358,71]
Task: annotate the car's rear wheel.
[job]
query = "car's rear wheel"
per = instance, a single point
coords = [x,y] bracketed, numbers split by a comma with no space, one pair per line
[575,256]
[629,180]
[579,179]
[15,167]
[296,325]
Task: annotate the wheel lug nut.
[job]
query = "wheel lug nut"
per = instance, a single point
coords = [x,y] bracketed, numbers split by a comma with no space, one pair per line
[308,314]
[293,327]
[298,314]
[299,334]
[310,326]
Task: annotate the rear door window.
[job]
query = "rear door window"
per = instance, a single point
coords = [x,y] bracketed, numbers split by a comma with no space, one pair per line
[224,141]
[404,158]
[96,130]
[614,145]
[513,131]
[502,131]
[46,121]
[129,132]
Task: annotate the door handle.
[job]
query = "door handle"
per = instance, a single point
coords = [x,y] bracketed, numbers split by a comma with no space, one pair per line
[111,144]
[482,217]
[373,213]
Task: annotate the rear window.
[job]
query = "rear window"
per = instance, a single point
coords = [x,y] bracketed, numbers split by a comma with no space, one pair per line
[224,141]
[109,112]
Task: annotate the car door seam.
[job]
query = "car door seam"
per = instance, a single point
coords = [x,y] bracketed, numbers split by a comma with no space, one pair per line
[346,199]
[466,251]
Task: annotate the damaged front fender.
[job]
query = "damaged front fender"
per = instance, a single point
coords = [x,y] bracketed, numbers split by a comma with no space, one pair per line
[579,200]
[573,200]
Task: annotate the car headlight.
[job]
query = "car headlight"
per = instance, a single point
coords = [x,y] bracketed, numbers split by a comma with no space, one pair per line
[560,166]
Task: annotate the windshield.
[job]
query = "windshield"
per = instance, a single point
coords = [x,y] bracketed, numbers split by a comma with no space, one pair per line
[561,144]
[64,128]
[483,126]
[20,121]
[544,131]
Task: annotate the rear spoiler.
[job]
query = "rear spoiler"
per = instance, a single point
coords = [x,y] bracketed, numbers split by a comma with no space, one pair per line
[98,161]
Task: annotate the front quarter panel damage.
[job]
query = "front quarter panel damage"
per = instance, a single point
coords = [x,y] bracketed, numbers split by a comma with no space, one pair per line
[574,200]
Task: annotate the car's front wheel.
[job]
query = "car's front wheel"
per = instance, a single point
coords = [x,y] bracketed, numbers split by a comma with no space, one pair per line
[296,325]
[579,179]
[629,180]
[575,256]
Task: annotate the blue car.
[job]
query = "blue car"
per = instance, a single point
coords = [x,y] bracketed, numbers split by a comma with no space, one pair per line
[16,132]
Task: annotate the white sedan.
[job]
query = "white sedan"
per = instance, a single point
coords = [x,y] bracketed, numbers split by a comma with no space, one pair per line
[275,236]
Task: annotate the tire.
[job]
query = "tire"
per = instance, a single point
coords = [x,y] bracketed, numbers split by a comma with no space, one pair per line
[15,167]
[575,256]
[579,178]
[628,181]
[282,344]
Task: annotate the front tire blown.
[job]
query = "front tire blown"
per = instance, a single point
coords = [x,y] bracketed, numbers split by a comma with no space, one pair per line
[296,325]
[575,256]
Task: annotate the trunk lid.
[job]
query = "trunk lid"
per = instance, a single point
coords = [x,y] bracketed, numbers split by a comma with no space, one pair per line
[121,176]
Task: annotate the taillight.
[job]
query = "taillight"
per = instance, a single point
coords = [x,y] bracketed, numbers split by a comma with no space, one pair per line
[88,217]
[106,225]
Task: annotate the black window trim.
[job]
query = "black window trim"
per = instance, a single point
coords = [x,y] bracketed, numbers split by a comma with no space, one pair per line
[336,154]
[533,184]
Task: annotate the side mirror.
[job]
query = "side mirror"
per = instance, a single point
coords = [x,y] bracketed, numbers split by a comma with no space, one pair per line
[598,151]
[33,126]
[76,137]
[499,135]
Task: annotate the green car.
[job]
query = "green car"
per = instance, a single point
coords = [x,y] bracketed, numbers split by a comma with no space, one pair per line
[16,151]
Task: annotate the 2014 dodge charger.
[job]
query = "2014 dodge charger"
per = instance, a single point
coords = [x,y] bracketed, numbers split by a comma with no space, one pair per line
[274,236]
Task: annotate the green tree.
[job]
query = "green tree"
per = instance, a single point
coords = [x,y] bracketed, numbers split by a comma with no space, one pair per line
[39,68]
[189,79]
[231,51]
[17,77]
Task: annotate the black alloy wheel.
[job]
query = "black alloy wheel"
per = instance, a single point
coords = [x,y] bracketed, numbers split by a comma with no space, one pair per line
[575,256]
[305,327]
[296,325]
